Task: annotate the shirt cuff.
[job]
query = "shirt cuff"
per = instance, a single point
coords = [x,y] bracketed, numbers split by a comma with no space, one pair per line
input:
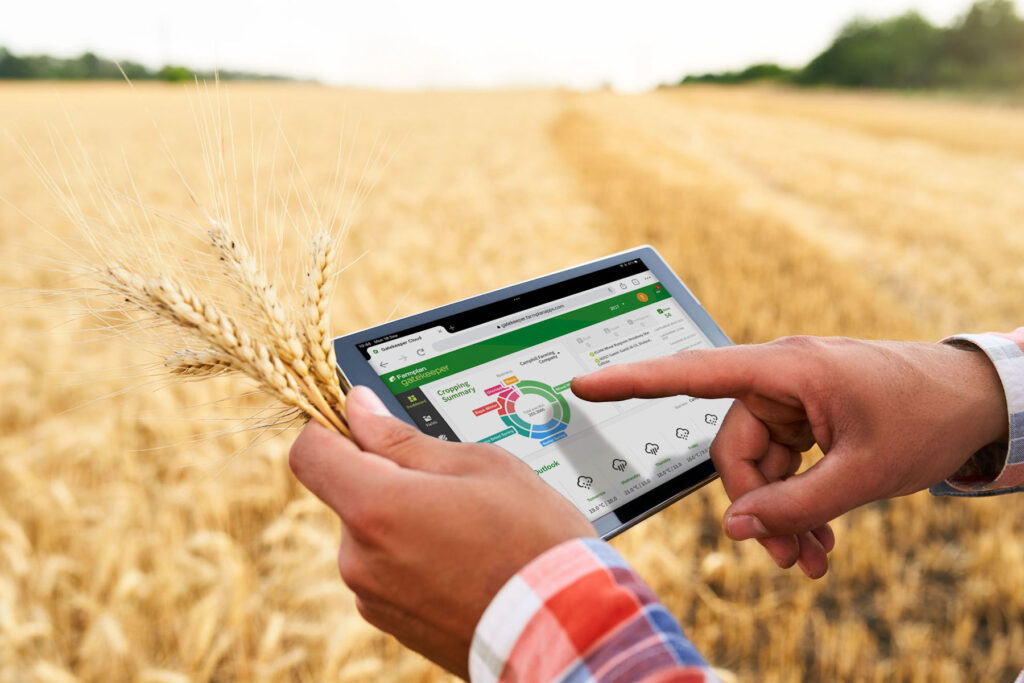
[997,468]
[579,612]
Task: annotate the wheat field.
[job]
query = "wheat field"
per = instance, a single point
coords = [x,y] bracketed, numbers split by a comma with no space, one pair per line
[143,538]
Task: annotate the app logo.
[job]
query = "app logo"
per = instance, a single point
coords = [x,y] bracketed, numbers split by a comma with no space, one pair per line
[619,464]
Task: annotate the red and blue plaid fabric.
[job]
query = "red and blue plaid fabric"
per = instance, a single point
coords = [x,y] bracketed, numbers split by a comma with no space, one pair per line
[579,613]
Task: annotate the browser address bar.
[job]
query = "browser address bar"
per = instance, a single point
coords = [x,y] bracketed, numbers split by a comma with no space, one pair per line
[505,324]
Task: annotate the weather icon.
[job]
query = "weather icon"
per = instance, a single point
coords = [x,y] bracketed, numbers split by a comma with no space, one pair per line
[619,464]
[652,448]
[584,482]
[711,419]
[683,433]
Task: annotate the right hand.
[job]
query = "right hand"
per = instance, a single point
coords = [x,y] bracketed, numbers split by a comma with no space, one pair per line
[891,417]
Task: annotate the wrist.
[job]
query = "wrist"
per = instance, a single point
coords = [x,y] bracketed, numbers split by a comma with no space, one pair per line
[986,411]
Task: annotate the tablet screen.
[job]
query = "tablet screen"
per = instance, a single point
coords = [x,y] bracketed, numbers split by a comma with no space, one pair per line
[501,374]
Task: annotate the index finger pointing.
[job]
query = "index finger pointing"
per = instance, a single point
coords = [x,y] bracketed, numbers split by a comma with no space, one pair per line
[707,373]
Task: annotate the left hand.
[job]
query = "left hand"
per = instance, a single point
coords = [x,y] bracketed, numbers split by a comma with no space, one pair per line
[432,530]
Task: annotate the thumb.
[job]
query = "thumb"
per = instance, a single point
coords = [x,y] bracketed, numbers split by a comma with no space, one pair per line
[379,432]
[707,373]
[804,502]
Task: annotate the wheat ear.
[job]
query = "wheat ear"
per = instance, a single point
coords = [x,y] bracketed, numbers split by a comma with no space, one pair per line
[317,329]
[173,302]
[200,363]
[281,328]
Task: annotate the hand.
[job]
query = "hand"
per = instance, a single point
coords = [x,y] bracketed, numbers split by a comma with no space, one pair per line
[432,530]
[892,418]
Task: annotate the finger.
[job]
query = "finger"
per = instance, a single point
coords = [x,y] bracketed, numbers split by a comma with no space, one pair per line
[796,459]
[813,560]
[742,442]
[742,453]
[784,550]
[377,431]
[796,435]
[802,502]
[826,537]
[334,469]
[776,463]
[707,373]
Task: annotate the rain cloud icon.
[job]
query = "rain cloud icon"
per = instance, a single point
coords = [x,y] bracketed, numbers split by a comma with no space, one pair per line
[652,448]
[584,482]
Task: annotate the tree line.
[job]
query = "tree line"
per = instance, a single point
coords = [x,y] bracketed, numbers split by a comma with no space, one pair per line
[983,48]
[90,66]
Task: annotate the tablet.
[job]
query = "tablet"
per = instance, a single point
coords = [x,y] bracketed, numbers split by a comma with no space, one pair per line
[496,368]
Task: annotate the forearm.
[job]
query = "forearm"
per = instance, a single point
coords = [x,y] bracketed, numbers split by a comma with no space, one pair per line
[580,612]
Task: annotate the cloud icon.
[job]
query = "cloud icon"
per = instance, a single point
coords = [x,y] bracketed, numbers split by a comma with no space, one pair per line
[619,464]
[711,419]
[682,433]
[584,482]
[652,448]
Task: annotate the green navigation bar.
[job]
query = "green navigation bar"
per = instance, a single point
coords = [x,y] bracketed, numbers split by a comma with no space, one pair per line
[446,364]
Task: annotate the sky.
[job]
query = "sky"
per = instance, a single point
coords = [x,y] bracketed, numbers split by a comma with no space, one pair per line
[630,46]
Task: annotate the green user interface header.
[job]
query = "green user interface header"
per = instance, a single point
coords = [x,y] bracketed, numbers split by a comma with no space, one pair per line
[467,357]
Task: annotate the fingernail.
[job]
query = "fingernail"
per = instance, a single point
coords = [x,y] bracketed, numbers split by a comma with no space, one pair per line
[368,401]
[742,527]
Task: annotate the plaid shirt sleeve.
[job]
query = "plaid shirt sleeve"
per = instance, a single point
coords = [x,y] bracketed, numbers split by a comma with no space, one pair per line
[580,613]
[998,468]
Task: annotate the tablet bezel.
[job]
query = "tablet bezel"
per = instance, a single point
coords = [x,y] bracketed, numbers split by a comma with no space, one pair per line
[354,369]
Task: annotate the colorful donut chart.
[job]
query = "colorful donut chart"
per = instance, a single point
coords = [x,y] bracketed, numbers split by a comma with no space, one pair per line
[508,396]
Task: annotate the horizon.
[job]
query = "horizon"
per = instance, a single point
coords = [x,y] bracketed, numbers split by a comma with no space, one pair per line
[453,45]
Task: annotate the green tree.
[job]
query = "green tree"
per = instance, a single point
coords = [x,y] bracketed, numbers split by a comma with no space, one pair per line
[984,47]
[896,52]
[176,74]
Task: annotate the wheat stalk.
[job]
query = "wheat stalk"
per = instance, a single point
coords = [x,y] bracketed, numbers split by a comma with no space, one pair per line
[230,348]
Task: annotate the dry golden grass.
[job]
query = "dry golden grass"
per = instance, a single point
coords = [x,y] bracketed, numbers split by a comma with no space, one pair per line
[134,547]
